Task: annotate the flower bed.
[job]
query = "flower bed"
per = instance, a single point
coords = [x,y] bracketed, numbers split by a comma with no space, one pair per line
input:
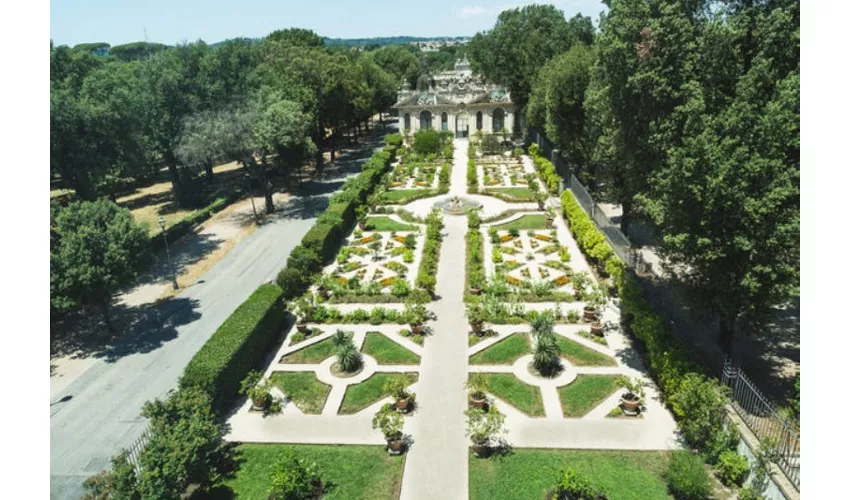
[561,280]
[506,238]
[543,237]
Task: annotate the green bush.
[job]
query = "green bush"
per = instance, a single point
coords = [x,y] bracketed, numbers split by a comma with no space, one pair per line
[700,406]
[545,169]
[427,276]
[576,486]
[686,476]
[238,346]
[426,142]
[294,478]
[732,468]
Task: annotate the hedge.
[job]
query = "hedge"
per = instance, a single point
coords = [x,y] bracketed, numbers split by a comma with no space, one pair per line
[238,346]
[545,169]
[427,276]
[190,221]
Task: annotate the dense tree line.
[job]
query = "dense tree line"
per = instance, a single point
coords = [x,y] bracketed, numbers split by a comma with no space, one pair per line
[685,113]
[123,117]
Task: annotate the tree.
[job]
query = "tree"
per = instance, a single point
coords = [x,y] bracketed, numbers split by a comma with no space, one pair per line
[99,250]
[400,61]
[116,484]
[283,129]
[185,444]
[521,41]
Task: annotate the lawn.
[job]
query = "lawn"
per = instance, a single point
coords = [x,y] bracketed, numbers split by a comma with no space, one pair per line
[503,352]
[315,353]
[523,397]
[580,355]
[365,393]
[351,472]
[530,474]
[304,389]
[387,352]
[521,193]
[534,221]
[585,393]
[404,195]
[386,224]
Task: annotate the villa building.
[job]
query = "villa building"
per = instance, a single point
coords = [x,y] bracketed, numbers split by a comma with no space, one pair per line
[455,100]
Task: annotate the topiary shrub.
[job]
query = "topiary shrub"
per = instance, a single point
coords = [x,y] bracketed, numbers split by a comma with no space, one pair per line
[732,468]
[686,477]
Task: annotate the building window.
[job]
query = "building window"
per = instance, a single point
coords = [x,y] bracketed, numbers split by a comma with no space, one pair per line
[425,120]
[479,121]
[498,120]
[444,121]
[407,121]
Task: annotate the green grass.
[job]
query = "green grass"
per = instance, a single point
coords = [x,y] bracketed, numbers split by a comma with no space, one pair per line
[387,352]
[534,221]
[315,353]
[365,393]
[580,355]
[503,352]
[525,398]
[513,192]
[386,224]
[585,393]
[530,474]
[304,389]
[403,195]
[351,472]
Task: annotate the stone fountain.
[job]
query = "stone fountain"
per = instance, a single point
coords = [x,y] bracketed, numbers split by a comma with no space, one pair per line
[457,205]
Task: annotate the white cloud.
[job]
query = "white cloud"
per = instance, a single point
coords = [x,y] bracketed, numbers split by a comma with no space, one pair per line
[473,11]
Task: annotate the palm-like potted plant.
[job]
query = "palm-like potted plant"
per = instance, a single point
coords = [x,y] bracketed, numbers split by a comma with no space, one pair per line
[397,387]
[543,324]
[390,423]
[361,212]
[478,385]
[258,390]
[483,427]
[303,307]
[580,282]
[634,394]
[547,355]
[550,217]
[475,313]
[416,313]
[596,301]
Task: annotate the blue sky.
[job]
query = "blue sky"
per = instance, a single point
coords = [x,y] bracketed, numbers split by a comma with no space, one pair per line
[173,21]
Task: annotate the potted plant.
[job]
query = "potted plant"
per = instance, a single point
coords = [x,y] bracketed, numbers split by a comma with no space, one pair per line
[303,308]
[361,212]
[257,390]
[416,313]
[375,247]
[475,313]
[478,385]
[483,427]
[323,286]
[580,282]
[596,301]
[397,387]
[550,217]
[390,423]
[633,396]
[541,200]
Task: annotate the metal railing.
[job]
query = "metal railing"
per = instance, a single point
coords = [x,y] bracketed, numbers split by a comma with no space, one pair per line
[764,420]
[134,452]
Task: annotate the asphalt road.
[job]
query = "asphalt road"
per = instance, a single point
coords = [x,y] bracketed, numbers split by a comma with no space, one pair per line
[102,415]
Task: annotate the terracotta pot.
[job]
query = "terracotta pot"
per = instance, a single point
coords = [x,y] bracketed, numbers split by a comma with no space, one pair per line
[323,293]
[630,405]
[478,327]
[402,404]
[481,404]
[416,328]
[596,329]
[589,314]
[362,225]
[302,327]
[395,445]
[259,404]
[550,222]
[475,291]
[481,450]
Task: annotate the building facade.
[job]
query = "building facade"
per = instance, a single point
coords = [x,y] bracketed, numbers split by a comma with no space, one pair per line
[457,101]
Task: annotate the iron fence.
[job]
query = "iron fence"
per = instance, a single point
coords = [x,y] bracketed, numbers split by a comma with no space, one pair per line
[764,420]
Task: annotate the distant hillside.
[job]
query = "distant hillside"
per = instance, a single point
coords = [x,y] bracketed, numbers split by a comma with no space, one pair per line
[388,40]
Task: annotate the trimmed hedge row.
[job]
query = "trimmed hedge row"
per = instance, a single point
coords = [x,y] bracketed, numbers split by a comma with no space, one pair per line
[185,225]
[322,241]
[427,276]
[590,239]
[545,169]
[237,347]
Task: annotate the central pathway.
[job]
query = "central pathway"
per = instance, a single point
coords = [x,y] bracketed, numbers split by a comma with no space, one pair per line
[437,463]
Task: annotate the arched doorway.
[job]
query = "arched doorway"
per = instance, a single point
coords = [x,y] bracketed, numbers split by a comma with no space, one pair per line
[425,120]
[407,121]
[444,121]
[498,120]
[462,124]
[479,120]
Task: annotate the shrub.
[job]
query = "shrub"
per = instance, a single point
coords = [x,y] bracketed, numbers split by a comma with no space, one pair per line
[426,142]
[400,288]
[349,358]
[576,486]
[118,483]
[237,346]
[686,476]
[546,357]
[732,468]
[294,478]
[699,404]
